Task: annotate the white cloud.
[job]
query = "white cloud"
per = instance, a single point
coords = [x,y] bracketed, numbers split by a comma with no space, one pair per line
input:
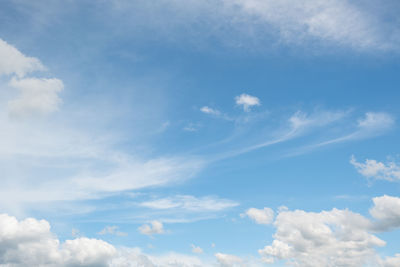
[30,243]
[192,127]
[111,230]
[386,210]
[134,257]
[227,260]
[377,170]
[376,121]
[333,238]
[336,237]
[154,227]
[247,101]
[211,111]
[337,22]
[261,216]
[190,203]
[196,249]
[36,96]
[13,61]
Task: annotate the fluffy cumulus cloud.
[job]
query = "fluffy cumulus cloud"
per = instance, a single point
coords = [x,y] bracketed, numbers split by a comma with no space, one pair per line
[386,211]
[36,96]
[377,170]
[12,61]
[261,216]
[30,243]
[247,101]
[154,227]
[333,238]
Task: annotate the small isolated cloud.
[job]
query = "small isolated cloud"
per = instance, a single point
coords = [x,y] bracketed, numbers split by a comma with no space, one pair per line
[192,127]
[377,170]
[154,227]
[261,216]
[111,230]
[196,249]
[14,62]
[227,260]
[211,111]
[36,96]
[247,101]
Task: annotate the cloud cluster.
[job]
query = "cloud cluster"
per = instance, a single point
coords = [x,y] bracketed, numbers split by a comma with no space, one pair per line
[332,238]
[36,95]
[30,243]
[377,170]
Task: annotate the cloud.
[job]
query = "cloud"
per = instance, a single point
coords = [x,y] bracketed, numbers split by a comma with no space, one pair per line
[377,170]
[190,203]
[14,62]
[37,96]
[30,243]
[227,260]
[134,257]
[192,127]
[371,125]
[111,230]
[261,216]
[263,24]
[336,237]
[333,238]
[247,101]
[196,249]
[386,211]
[155,227]
[336,22]
[211,111]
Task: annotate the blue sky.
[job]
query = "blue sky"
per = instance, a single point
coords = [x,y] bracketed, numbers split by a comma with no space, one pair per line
[199,133]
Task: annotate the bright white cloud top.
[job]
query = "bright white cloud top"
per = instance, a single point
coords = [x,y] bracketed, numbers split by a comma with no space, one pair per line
[247,101]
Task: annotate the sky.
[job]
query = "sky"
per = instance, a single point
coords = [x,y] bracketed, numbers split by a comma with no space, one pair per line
[188,133]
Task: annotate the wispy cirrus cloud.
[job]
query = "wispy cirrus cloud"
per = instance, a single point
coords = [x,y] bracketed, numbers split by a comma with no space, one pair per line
[190,203]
